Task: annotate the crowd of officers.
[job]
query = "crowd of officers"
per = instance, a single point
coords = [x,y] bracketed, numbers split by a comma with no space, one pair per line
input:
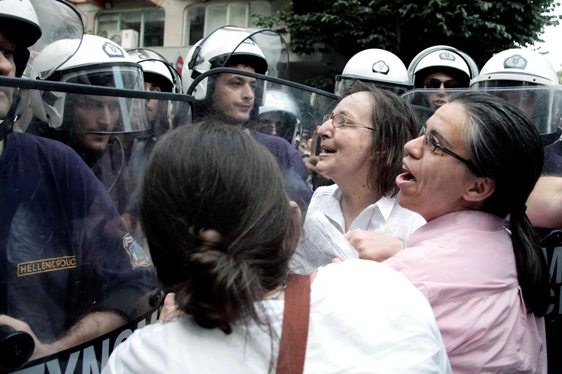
[79,204]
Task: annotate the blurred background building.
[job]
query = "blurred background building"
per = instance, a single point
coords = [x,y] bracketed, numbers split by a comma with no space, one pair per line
[171,27]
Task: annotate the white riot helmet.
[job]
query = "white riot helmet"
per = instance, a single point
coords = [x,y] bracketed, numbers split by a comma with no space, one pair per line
[446,59]
[157,69]
[526,79]
[226,46]
[19,16]
[280,109]
[97,62]
[518,65]
[382,68]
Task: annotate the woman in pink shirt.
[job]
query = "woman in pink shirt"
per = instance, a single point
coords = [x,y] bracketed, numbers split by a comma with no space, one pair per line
[473,166]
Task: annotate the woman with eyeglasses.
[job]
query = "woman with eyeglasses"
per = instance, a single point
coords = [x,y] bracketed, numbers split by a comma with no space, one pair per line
[362,143]
[478,260]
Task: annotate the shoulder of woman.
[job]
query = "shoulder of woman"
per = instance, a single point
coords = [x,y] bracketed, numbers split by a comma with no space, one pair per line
[362,276]
[145,349]
[370,286]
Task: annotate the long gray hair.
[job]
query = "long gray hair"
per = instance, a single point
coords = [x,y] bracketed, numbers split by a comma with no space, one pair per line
[501,140]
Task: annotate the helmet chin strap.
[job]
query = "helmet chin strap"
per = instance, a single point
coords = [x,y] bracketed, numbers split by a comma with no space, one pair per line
[7,124]
[6,128]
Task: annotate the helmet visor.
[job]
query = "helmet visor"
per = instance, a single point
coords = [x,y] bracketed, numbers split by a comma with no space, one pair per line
[119,76]
[542,104]
[344,84]
[58,21]
[105,114]
[271,51]
[124,114]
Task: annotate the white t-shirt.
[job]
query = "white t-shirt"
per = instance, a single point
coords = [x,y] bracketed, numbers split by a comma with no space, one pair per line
[364,318]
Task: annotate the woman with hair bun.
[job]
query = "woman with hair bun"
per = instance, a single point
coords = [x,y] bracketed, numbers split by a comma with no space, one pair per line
[221,230]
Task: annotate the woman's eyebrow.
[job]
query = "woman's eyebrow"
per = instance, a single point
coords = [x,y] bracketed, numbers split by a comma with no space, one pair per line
[442,140]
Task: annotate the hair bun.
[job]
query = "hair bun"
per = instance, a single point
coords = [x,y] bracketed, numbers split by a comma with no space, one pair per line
[211,248]
[210,237]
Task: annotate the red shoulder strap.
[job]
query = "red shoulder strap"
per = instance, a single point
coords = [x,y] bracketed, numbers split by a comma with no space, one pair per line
[294,333]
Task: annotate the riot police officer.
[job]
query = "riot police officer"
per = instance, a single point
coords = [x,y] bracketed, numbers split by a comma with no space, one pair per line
[69,269]
[235,98]
[439,68]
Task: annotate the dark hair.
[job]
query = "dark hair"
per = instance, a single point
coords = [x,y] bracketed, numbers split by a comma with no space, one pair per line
[394,123]
[506,147]
[217,221]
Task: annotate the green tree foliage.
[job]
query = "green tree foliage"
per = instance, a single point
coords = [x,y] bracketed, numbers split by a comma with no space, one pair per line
[479,28]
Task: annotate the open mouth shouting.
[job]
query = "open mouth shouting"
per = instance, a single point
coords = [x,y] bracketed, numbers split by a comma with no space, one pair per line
[406,178]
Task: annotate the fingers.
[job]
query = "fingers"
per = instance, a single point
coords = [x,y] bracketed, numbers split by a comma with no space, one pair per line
[169,308]
[296,213]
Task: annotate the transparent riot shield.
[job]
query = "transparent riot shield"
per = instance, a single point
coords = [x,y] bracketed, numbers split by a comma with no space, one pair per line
[274,48]
[76,273]
[262,51]
[59,21]
[280,114]
[543,106]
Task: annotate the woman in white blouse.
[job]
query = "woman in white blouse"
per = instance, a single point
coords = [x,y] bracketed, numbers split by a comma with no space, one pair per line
[362,142]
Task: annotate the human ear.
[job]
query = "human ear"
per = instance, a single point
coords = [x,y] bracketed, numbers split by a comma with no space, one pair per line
[480,189]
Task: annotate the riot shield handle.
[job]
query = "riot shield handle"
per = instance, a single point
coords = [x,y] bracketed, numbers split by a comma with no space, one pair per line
[16,347]
[553,239]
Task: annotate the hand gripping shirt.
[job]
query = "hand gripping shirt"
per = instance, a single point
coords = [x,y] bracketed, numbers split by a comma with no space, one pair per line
[64,250]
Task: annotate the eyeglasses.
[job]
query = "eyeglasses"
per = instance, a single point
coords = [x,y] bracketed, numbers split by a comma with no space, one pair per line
[430,140]
[437,83]
[340,120]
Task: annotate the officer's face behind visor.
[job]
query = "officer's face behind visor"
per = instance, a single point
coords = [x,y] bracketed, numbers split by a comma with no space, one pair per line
[132,111]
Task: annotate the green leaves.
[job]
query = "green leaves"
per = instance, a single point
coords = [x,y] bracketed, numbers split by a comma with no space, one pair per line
[480,28]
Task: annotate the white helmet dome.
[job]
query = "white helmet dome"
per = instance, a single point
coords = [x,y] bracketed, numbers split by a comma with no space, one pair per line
[279,101]
[156,69]
[226,46]
[442,58]
[96,50]
[20,15]
[379,66]
[98,61]
[517,65]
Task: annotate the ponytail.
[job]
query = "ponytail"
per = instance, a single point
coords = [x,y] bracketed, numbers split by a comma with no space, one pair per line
[501,137]
[532,270]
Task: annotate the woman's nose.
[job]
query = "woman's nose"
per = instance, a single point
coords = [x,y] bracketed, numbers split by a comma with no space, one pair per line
[326,128]
[414,147]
